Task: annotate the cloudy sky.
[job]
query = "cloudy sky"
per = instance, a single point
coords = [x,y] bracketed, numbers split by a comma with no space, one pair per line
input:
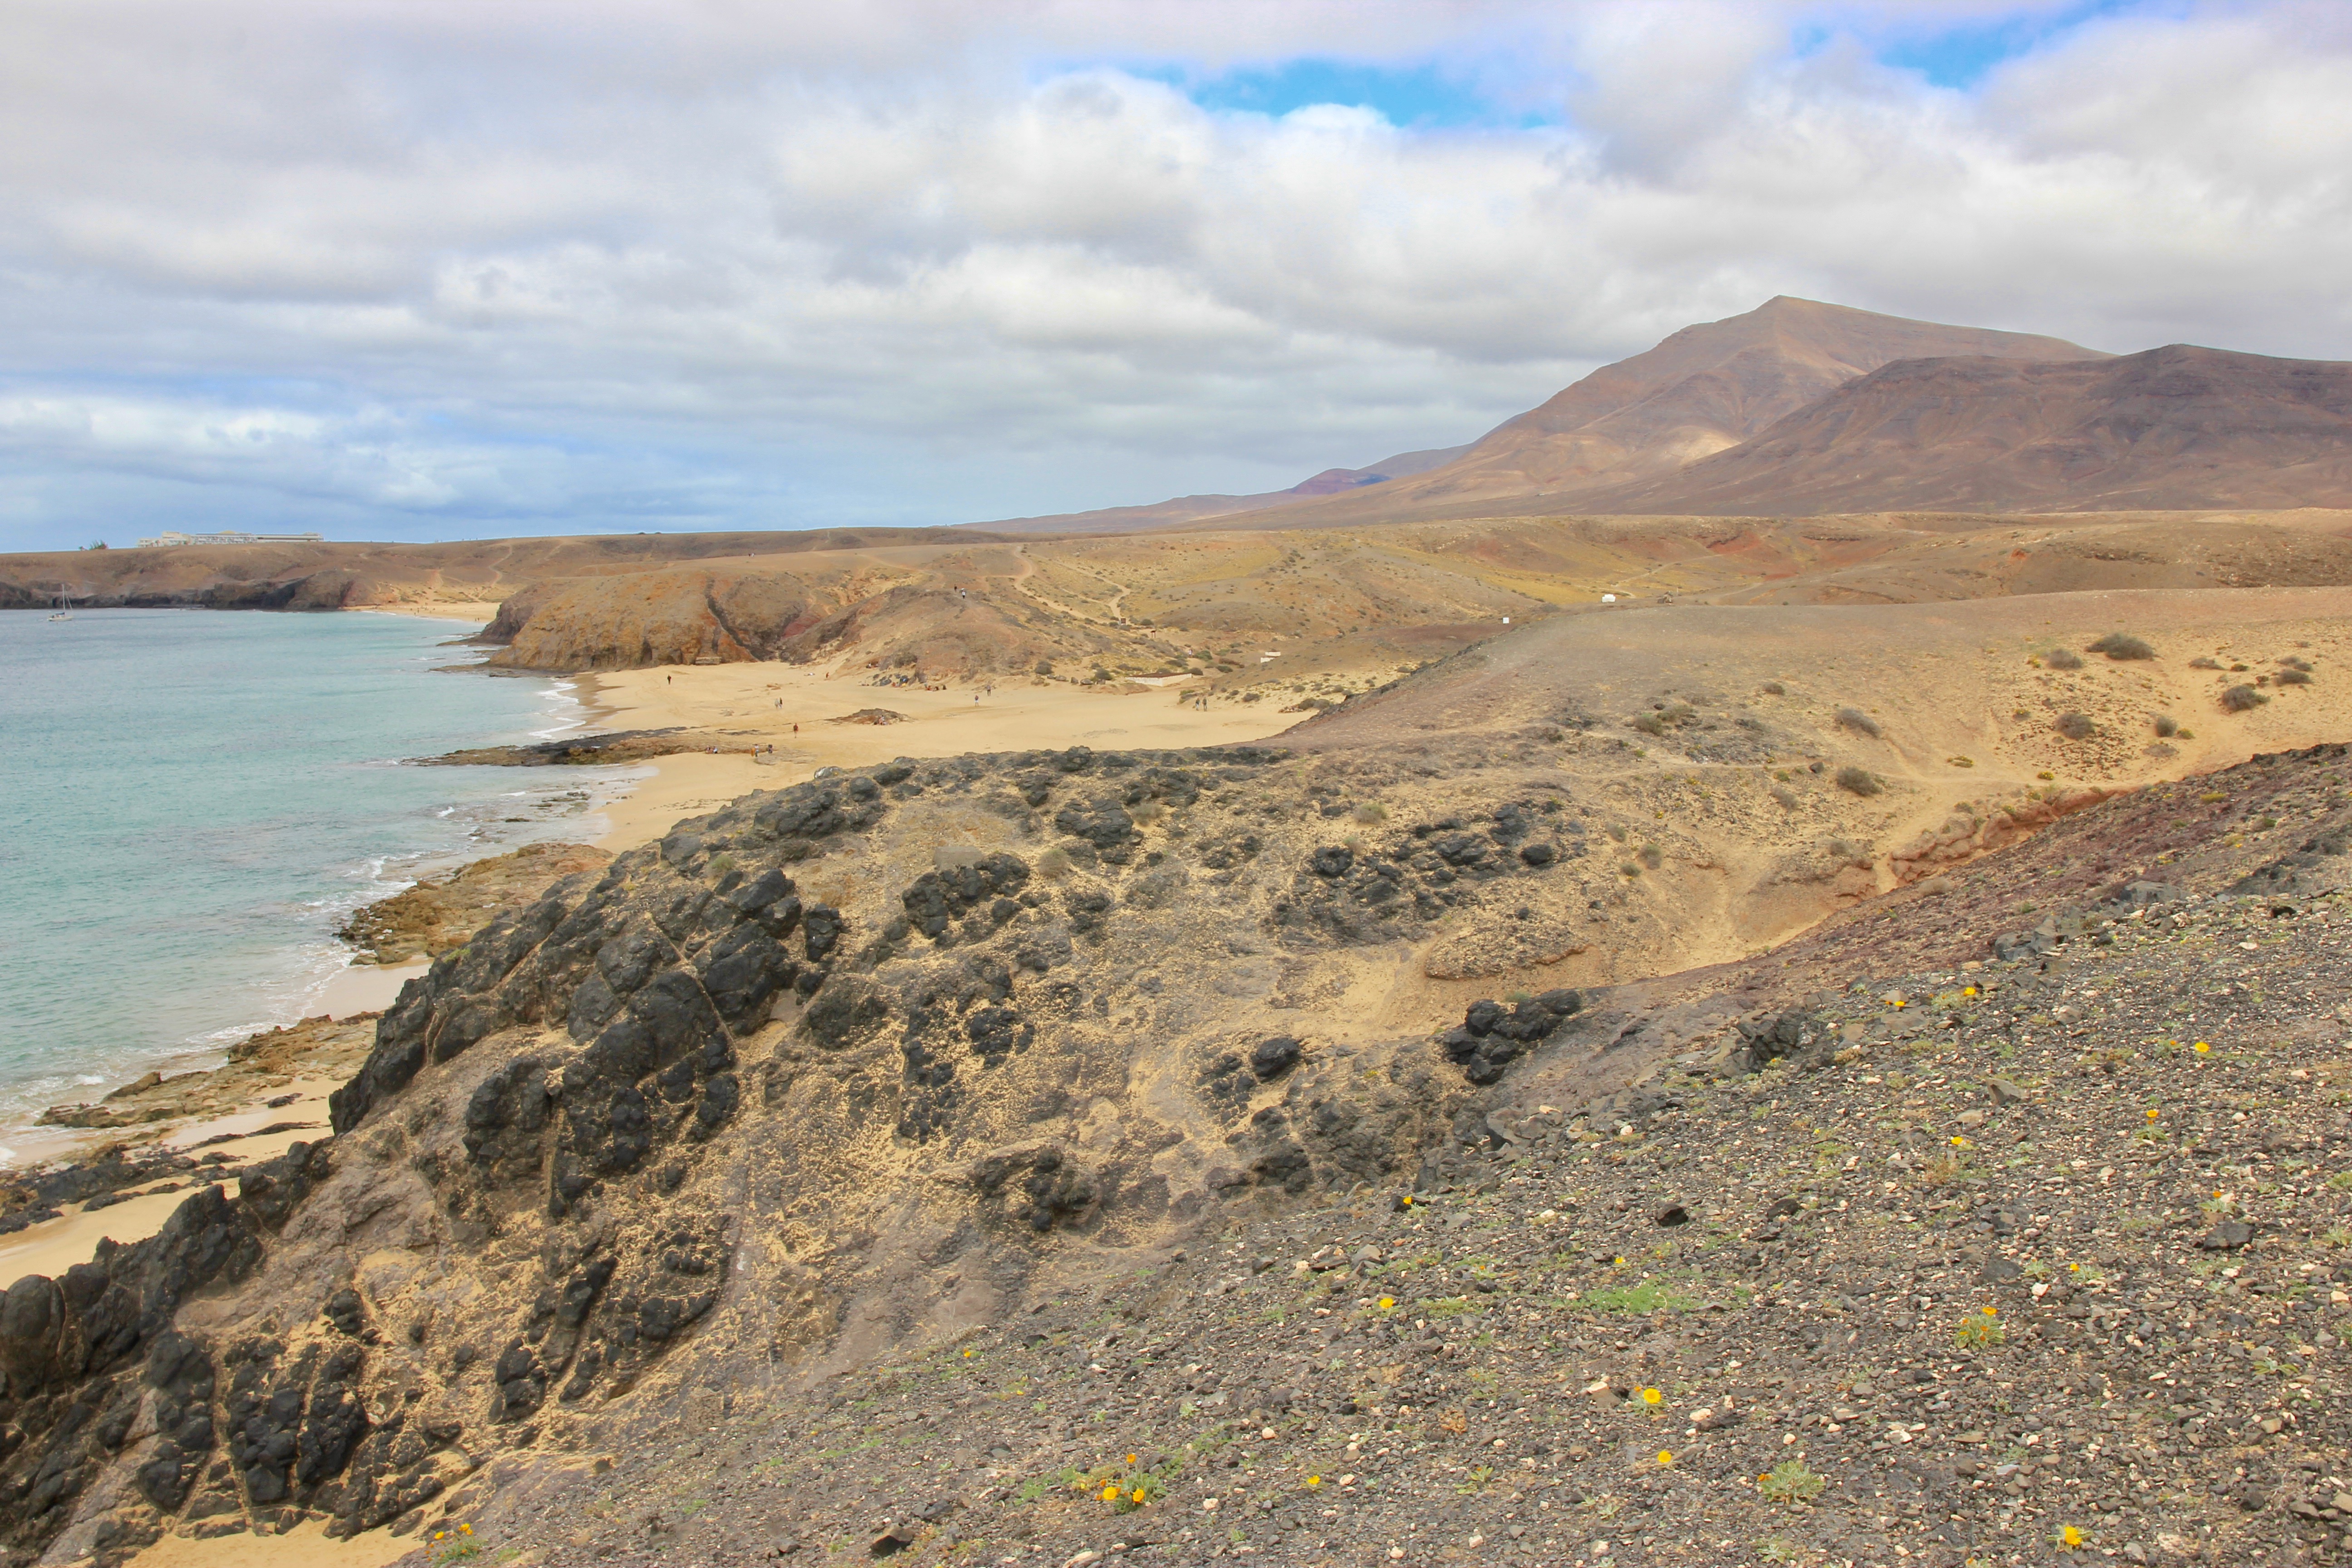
[430,269]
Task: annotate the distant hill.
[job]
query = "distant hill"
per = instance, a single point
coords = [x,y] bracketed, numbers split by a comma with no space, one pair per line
[2172,428]
[1192,508]
[1706,388]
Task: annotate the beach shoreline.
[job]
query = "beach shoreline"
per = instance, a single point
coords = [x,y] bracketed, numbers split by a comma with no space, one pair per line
[759,704]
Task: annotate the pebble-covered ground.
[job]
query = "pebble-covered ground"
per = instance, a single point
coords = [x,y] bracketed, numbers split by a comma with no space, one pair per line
[2021,1261]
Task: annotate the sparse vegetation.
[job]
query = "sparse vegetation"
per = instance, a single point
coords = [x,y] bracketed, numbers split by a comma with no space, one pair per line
[1860,722]
[2167,725]
[2240,698]
[1369,812]
[1785,797]
[2120,646]
[1791,1481]
[2061,658]
[1859,781]
[2075,726]
[1773,688]
[1053,862]
[1044,666]
[2204,664]
[1653,857]
[2295,678]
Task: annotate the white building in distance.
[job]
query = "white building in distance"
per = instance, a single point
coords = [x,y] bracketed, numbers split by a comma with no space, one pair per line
[168,537]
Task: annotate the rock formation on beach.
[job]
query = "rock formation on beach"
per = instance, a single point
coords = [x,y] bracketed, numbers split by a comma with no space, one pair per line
[1001,1076]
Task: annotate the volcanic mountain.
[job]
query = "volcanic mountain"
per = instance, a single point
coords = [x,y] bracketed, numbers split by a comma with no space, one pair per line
[1708,387]
[2172,428]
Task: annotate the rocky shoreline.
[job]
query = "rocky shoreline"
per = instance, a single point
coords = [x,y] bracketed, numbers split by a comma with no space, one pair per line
[1068,1132]
[610,748]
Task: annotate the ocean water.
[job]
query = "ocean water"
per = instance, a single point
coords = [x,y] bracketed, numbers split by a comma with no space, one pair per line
[190,802]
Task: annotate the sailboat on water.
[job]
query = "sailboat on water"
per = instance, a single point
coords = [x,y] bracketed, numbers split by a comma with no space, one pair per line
[64,611]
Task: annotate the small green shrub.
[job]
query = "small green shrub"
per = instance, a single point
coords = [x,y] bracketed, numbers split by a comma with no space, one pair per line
[1860,722]
[1791,1481]
[1370,811]
[2063,658]
[2240,698]
[2121,646]
[1053,862]
[1980,1330]
[1859,781]
[1042,667]
[1650,724]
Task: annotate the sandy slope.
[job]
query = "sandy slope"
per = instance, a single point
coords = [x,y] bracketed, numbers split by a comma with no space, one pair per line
[764,703]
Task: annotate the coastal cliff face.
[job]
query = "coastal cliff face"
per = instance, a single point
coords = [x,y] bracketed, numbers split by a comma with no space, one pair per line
[875,1057]
[846,1074]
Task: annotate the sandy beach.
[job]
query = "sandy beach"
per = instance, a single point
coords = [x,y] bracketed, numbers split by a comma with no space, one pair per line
[799,710]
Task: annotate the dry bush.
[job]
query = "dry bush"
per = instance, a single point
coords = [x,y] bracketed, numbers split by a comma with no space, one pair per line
[2295,661]
[1042,667]
[2295,678]
[2167,725]
[2063,658]
[1053,862]
[1860,722]
[2204,664]
[2121,646]
[1370,811]
[2239,698]
[1653,857]
[1649,723]
[1859,781]
[1786,797]
[2075,726]
[1773,688]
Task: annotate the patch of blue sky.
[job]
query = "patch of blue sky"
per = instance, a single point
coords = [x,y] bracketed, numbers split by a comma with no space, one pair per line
[1419,97]
[1958,57]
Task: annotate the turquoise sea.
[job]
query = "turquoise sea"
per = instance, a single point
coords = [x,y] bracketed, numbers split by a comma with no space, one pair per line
[192,801]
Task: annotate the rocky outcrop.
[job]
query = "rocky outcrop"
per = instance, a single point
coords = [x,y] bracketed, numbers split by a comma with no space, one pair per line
[440,913]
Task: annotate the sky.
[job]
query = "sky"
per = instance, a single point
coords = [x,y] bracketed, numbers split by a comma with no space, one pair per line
[442,269]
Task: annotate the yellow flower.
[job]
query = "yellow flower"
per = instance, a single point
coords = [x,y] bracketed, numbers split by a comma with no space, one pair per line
[1651,1396]
[1315,1480]
[2202,1047]
[1992,1312]
[1110,1494]
[464,1529]
[1968,990]
[1130,1458]
[1958,1142]
[1387,1302]
[2151,1116]
[2071,1536]
[1665,1458]
[1136,1494]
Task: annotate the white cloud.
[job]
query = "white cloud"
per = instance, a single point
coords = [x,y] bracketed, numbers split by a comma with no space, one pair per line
[426,265]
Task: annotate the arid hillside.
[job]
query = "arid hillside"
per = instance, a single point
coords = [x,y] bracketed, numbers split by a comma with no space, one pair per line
[1705,388]
[822,1096]
[2175,428]
[340,577]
